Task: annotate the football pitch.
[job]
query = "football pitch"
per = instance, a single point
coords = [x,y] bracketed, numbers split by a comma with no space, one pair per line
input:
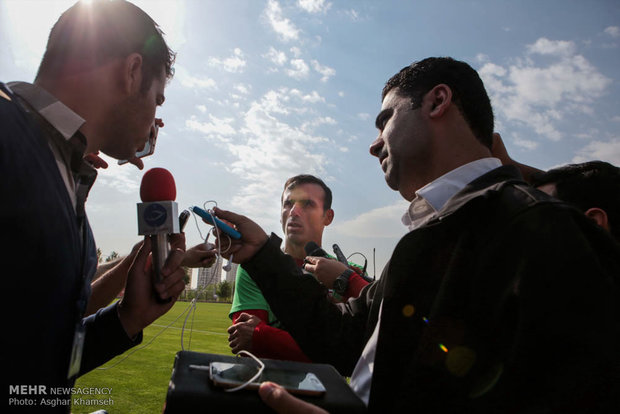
[137,381]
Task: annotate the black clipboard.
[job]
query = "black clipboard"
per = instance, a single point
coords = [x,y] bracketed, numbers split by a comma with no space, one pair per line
[191,390]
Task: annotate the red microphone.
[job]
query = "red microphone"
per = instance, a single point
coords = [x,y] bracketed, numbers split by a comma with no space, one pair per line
[157,185]
[158,214]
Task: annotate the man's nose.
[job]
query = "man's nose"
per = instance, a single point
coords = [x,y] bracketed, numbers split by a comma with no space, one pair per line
[375,147]
[296,209]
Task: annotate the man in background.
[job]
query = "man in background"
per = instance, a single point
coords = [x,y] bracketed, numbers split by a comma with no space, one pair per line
[305,212]
[593,187]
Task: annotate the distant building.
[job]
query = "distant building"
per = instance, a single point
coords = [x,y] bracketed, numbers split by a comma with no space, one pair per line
[188,286]
[210,275]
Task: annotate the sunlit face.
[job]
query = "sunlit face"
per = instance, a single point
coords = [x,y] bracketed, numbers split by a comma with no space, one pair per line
[303,218]
[403,144]
[130,121]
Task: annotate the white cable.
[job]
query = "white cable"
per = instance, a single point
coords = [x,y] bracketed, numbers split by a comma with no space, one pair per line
[191,329]
[261,368]
[254,378]
[128,354]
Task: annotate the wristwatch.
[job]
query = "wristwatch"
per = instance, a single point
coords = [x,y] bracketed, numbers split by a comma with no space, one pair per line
[342,282]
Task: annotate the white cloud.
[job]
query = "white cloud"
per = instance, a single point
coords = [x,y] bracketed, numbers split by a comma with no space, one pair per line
[364,116]
[281,25]
[201,108]
[353,15]
[193,82]
[382,222]
[543,95]
[242,89]
[299,69]
[598,150]
[613,31]
[275,101]
[312,97]
[233,64]
[544,46]
[271,147]
[326,71]
[215,129]
[525,143]
[122,179]
[295,51]
[314,123]
[314,6]
[482,58]
[276,56]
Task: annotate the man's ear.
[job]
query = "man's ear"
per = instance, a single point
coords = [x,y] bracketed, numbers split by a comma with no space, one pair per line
[132,73]
[599,216]
[329,217]
[439,99]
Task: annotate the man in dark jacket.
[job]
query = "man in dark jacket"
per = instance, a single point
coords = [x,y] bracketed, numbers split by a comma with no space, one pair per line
[500,299]
[97,88]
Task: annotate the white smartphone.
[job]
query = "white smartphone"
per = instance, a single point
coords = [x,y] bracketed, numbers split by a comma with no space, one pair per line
[229,375]
[149,146]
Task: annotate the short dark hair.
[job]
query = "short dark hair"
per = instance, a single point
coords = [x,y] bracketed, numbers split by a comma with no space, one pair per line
[587,185]
[310,179]
[88,35]
[468,92]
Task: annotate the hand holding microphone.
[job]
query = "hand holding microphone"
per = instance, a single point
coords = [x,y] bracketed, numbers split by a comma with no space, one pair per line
[321,266]
[158,215]
[150,294]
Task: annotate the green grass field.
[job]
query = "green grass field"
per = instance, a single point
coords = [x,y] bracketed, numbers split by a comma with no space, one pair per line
[138,380]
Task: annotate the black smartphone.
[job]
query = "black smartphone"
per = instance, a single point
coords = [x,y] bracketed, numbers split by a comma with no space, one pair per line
[183,219]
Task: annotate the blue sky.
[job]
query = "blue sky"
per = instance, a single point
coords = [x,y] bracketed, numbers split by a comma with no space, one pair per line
[268,89]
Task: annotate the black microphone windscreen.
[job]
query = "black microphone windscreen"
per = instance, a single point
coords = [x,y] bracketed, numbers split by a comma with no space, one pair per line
[313,249]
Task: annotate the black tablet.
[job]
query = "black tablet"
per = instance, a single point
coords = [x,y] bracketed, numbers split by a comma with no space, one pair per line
[191,388]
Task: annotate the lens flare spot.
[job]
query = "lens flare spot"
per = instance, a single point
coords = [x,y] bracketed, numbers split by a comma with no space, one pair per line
[459,360]
[408,311]
[443,348]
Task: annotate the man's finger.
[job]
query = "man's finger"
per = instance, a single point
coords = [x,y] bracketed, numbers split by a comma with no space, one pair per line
[229,216]
[137,162]
[177,241]
[311,259]
[143,254]
[282,402]
[244,317]
[173,262]
[95,160]
[309,267]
